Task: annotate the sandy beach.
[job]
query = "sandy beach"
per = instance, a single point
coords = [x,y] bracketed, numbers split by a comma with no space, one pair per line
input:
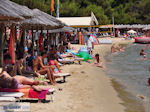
[88,89]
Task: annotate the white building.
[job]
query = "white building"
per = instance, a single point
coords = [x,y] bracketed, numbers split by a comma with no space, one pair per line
[80,21]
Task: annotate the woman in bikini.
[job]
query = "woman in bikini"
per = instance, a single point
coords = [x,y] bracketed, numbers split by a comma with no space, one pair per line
[17,82]
[42,69]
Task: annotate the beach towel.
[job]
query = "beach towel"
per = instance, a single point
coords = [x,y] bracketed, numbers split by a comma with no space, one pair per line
[11,47]
[39,95]
[41,42]
[28,92]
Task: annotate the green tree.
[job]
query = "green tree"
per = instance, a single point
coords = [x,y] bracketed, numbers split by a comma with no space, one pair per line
[124,11]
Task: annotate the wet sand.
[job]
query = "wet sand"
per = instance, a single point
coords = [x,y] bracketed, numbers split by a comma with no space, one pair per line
[88,89]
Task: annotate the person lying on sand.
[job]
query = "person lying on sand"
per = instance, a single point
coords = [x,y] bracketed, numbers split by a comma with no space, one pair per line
[17,82]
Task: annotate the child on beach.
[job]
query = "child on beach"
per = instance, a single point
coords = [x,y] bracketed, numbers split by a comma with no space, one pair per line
[98,61]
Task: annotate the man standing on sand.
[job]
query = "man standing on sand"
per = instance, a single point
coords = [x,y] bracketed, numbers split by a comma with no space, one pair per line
[90,44]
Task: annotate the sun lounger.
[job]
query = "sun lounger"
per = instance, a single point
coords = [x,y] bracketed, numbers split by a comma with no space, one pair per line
[7,99]
[66,61]
[11,94]
[51,91]
[79,59]
[64,75]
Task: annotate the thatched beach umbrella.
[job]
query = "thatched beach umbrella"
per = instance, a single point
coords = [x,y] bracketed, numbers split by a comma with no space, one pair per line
[146,27]
[41,20]
[64,29]
[51,21]
[6,14]
[14,8]
[11,12]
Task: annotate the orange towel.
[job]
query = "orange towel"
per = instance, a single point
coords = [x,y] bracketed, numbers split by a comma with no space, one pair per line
[25,91]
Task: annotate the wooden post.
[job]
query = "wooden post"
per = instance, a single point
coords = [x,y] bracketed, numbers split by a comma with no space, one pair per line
[33,39]
[1,46]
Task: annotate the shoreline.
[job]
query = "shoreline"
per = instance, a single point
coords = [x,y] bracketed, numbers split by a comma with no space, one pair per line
[131,102]
[88,89]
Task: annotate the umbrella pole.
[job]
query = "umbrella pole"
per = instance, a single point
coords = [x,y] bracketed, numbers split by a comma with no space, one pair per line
[33,39]
[1,46]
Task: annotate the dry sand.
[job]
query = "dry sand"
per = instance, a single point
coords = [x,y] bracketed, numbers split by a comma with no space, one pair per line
[88,89]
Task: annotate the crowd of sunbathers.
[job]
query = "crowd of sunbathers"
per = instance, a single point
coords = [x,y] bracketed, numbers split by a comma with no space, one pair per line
[17,75]
[22,73]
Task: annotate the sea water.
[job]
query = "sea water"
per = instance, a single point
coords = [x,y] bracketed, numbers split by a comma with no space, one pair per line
[130,70]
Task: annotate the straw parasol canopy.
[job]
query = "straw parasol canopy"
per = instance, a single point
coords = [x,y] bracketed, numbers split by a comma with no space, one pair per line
[64,29]
[16,8]
[42,19]
[8,14]
[48,19]
[146,27]
[134,26]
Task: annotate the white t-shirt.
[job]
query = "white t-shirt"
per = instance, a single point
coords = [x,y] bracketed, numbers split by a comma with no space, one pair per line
[90,41]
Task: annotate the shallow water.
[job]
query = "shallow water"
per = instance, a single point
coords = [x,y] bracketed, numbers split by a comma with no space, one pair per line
[129,70]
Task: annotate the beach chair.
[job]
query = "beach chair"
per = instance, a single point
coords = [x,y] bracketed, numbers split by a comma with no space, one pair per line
[36,99]
[62,75]
[28,93]
[66,61]
[10,96]
[7,99]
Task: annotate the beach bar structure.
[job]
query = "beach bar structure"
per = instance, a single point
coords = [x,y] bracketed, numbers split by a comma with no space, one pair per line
[79,21]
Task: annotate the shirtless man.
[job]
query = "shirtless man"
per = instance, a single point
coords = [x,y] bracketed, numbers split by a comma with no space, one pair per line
[42,69]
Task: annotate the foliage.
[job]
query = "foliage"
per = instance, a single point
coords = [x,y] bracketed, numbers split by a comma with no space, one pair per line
[124,11]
